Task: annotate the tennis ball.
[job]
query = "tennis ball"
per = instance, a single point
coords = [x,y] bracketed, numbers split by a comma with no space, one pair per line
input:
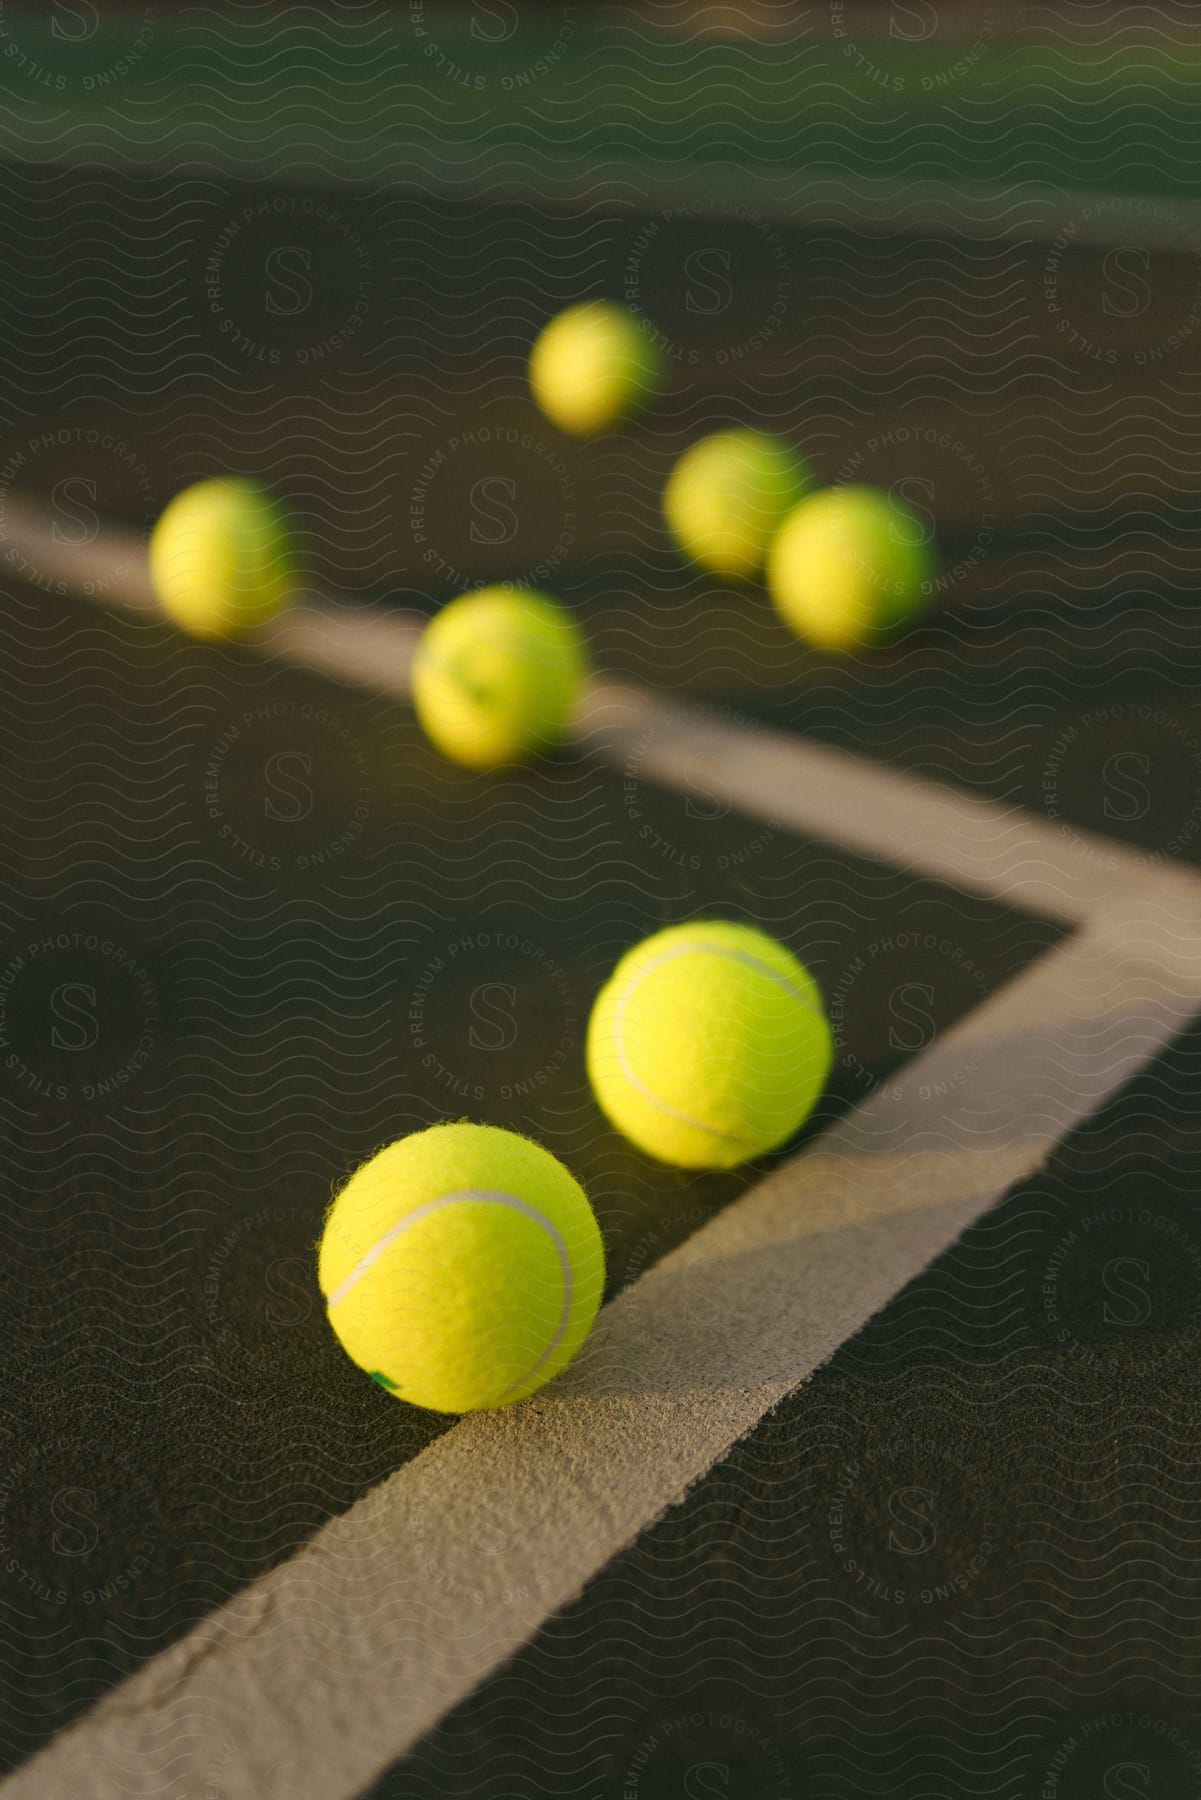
[726,496]
[708,1045]
[849,567]
[591,365]
[497,674]
[462,1267]
[222,558]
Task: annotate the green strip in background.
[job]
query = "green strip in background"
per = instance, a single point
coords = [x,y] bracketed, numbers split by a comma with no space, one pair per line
[577,96]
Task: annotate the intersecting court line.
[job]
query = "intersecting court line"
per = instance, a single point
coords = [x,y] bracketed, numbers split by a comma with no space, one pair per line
[321,1673]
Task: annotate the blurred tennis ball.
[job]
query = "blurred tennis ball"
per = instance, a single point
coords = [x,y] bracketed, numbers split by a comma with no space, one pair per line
[222,558]
[497,675]
[592,365]
[727,495]
[850,567]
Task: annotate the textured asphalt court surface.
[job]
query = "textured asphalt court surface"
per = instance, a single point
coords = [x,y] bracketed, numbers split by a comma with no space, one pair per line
[961,1559]
[375,1611]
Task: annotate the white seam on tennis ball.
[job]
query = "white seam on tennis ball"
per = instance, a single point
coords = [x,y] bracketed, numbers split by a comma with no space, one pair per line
[492,1197]
[741,956]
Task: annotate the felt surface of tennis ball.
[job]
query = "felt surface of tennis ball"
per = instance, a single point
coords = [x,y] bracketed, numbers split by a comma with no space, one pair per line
[708,1045]
[727,495]
[222,558]
[850,567]
[497,675]
[593,365]
[462,1267]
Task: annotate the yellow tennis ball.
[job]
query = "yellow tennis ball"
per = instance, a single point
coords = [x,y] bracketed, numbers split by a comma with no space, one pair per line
[726,496]
[708,1045]
[497,675]
[462,1267]
[592,365]
[222,558]
[850,567]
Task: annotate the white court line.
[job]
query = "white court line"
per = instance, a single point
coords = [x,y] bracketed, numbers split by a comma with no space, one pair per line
[911,823]
[337,1662]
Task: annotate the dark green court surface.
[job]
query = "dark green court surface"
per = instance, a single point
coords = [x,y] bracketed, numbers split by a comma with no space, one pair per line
[253,927]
